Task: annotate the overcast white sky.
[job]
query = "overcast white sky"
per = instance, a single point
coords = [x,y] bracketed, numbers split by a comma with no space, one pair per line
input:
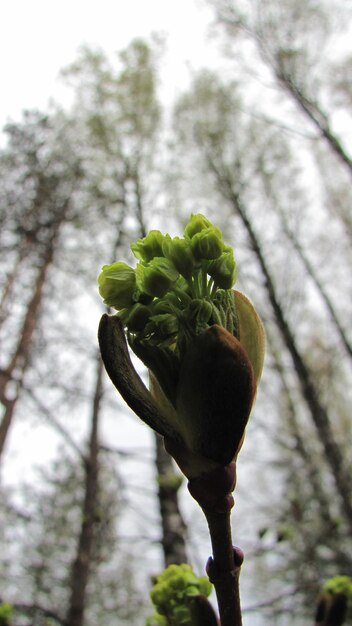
[39,37]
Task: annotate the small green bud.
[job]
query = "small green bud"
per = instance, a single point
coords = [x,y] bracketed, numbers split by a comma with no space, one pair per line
[178,251]
[205,586]
[156,277]
[156,620]
[166,322]
[148,247]
[198,223]
[181,616]
[138,317]
[201,310]
[174,593]
[192,590]
[340,584]
[117,283]
[223,270]
[207,244]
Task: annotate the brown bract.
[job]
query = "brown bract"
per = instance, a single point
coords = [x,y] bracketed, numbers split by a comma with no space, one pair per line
[215,394]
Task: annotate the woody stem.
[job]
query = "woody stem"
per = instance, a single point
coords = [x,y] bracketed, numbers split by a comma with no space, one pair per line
[224,567]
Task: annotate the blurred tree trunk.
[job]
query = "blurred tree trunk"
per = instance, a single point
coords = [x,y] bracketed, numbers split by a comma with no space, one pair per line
[11,377]
[172,523]
[82,564]
[23,250]
[309,391]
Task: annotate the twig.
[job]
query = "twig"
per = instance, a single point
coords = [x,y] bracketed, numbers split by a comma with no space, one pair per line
[224,567]
[213,492]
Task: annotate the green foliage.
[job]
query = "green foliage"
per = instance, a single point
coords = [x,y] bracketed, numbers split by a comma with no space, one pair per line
[5,614]
[172,595]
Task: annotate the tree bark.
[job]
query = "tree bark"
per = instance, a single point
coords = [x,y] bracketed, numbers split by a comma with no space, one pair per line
[173,526]
[81,566]
[12,375]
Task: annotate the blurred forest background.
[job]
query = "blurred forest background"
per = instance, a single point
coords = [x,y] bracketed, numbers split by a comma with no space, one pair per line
[264,151]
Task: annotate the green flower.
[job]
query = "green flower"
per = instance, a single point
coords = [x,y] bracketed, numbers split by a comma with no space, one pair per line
[117,284]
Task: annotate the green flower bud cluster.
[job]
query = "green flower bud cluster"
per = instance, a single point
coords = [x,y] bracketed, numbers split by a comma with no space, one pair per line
[202,341]
[172,595]
[340,585]
[179,288]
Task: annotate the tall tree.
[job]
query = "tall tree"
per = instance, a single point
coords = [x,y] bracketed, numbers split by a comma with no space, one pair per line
[37,580]
[40,178]
[227,147]
[292,38]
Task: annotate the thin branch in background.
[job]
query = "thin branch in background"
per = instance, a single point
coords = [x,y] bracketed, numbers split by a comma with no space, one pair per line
[48,417]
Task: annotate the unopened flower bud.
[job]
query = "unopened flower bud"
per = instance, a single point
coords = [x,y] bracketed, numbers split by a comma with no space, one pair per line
[223,270]
[207,244]
[156,277]
[197,223]
[167,324]
[117,283]
[201,310]
[149,247]
[178,251]
[138,317]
